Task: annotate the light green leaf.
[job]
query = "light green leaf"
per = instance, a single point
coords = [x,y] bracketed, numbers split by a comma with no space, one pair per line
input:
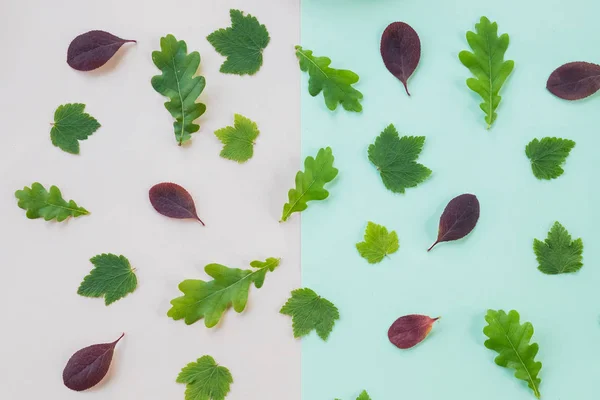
[547,156]
[177,82]
[205,380]
[363,396]
[112,278]
[238,139]
[243,44]
[395,159]
[378,243]
[558,254]
[336,84]
[40,203]
[209,300]
[310,183]
[487,63]
[510,339]
[309,311]
[70,125]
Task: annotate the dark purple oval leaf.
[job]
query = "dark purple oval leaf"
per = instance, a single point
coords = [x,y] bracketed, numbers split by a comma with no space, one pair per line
[88,366]
[93,49]
[401,50]
[575,80]
[410,330]
[458,219]
[173,201]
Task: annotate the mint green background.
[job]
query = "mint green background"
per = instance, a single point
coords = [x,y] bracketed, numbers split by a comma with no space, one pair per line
[495,266]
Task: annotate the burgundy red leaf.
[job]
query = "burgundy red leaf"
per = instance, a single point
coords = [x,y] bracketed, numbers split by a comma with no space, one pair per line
[87,367]
[93,49]
[173,201]
[575,80]
[410,330]
[400,50]
[458,219]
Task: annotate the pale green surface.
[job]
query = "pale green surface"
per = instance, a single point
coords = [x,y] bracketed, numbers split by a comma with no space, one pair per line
[494,267]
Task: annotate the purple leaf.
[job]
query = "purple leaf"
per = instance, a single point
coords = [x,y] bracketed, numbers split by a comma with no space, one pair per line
[574,81]
[401,50]
[88,366]
[410,330]
[173,201]
[458,219]
[93,49]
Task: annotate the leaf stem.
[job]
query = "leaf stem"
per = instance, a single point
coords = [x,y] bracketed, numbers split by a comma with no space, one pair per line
[436,242]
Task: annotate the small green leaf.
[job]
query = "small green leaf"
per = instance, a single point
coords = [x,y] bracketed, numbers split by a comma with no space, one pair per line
[112,278]
[487,63]
[238,139]
[70,125]
[178,83]
[510,339]
[310,183]
[378,243]
[395,158]
[205,380]
[336,84]
[363,396]
[310,311]
[558,254]
[548,155]
[243,44]
[40,203]
[210,300]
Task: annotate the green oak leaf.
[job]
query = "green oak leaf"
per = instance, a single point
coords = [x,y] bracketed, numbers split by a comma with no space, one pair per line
[243,44]
[70,125]
[363,396]
[378,243]
[178,83]
[238,140]
[558,254]
[310,183]
[40,203]
[336,84]
[487,63]
[210,300]
[547,156]
[309,311]
[510,339]
[395,158]
[205,380]
[112,278]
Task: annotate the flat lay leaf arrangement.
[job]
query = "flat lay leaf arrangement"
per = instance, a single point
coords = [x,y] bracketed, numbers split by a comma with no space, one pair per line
[205,380]
[486,62]
[178,83]
[394,156]
[243,44]
[309,312]
[558,254]
[70,126]
[378,243]
[112,278]
[511,340]
[229,287]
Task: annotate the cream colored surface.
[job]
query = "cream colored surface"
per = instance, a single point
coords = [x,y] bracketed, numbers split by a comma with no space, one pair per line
[42,263]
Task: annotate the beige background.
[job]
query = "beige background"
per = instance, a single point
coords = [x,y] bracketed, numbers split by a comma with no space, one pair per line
[42,263]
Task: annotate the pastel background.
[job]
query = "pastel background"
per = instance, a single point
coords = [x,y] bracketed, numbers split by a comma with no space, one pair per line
[43,320]
[495,266]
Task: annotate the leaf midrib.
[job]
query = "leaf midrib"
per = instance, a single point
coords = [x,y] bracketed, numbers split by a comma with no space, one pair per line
[315,177]
[228,287]
[535,389]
